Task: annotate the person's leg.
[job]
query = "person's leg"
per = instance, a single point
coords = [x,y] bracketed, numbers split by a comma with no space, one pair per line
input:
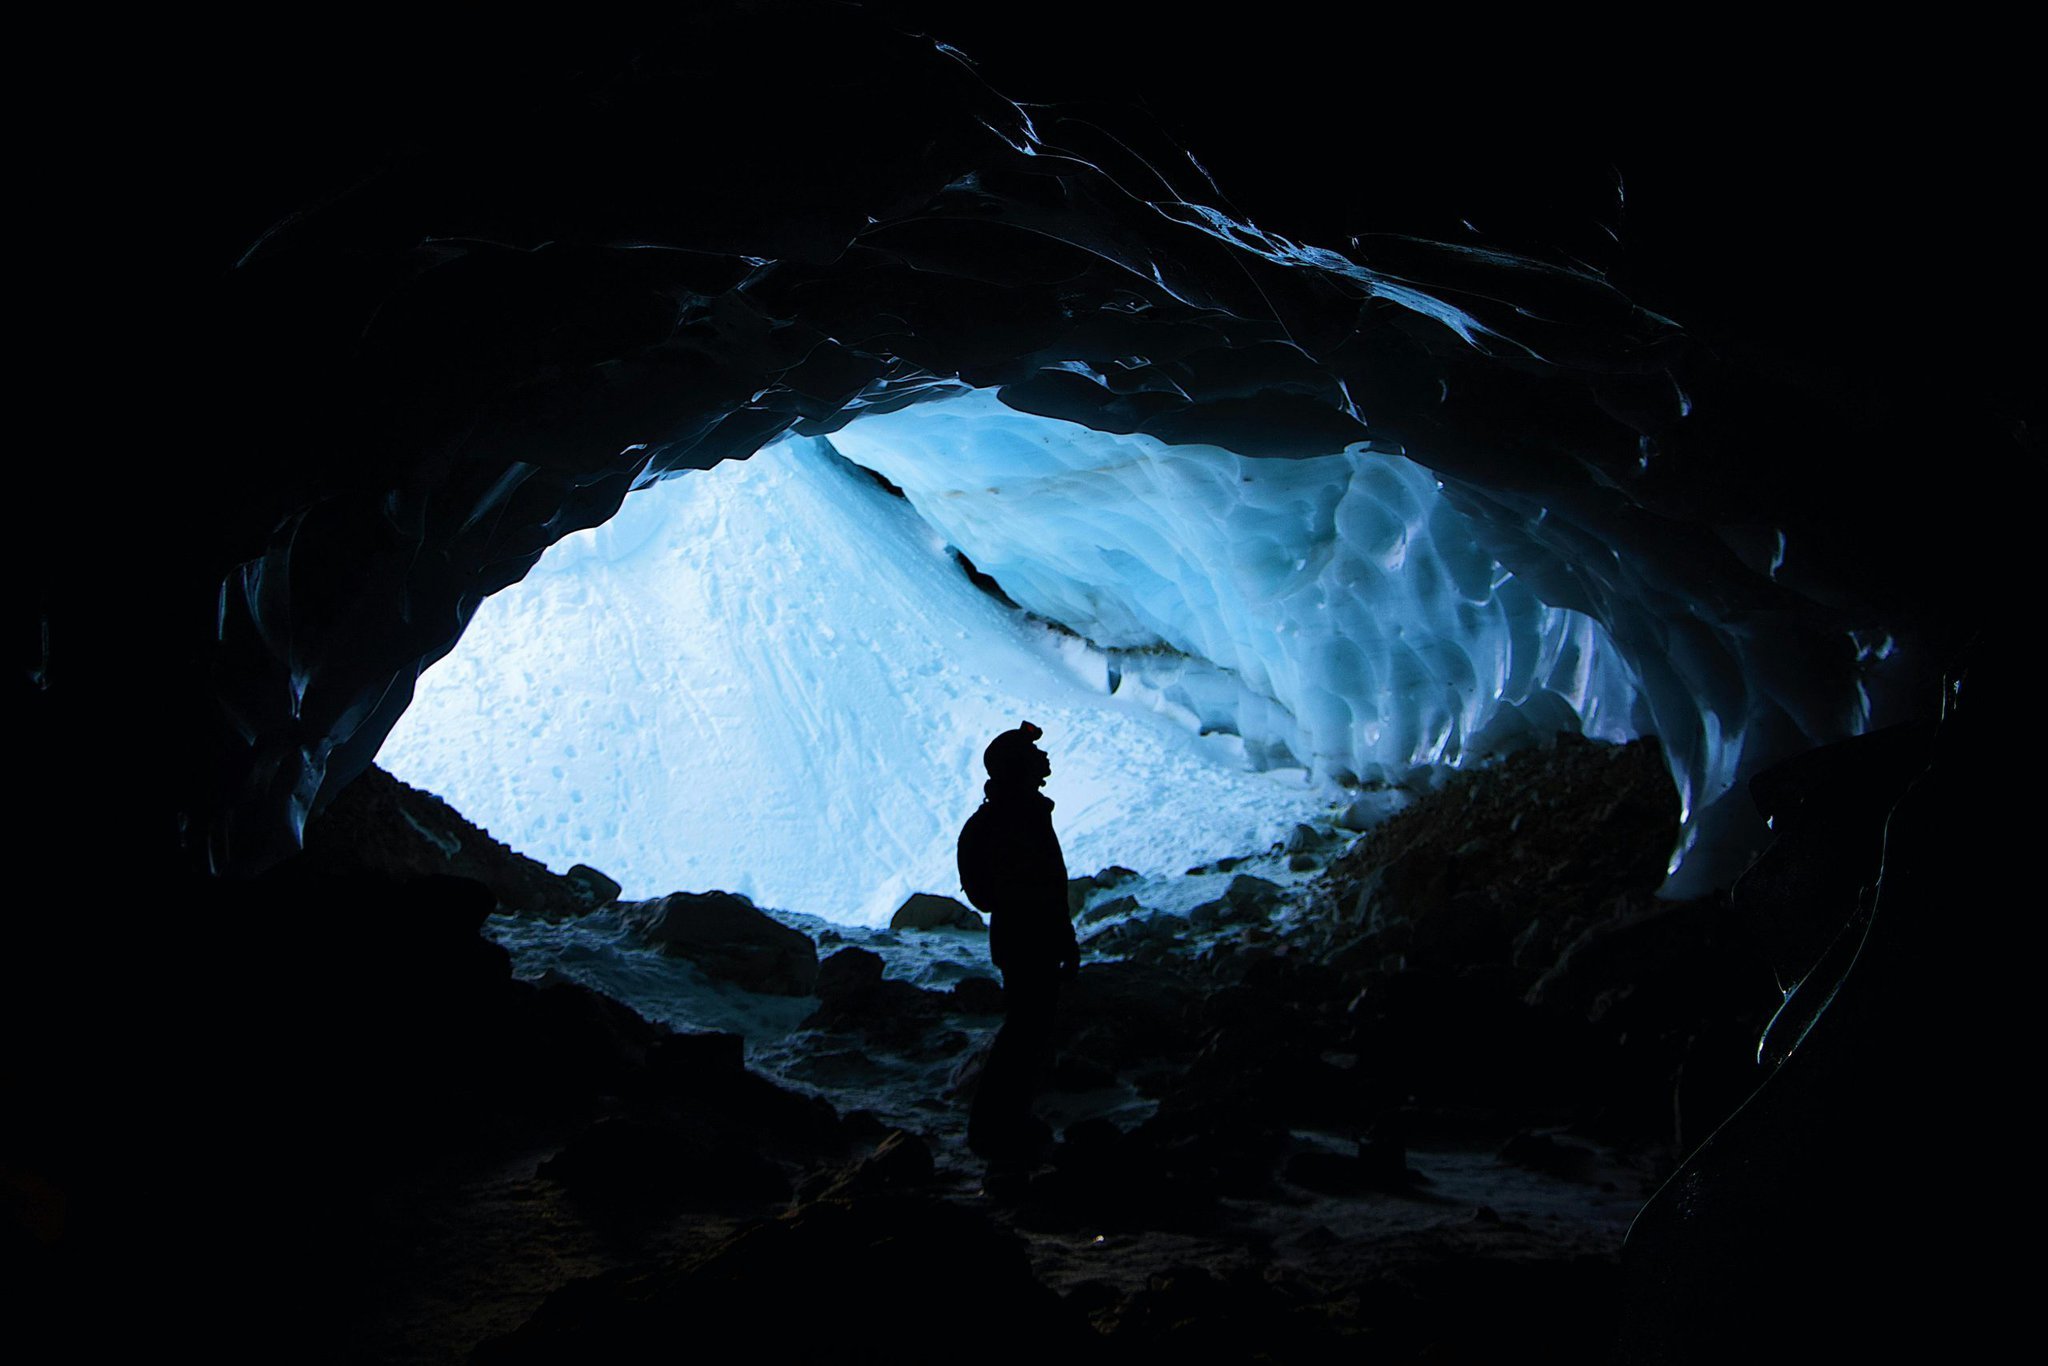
[999,1125]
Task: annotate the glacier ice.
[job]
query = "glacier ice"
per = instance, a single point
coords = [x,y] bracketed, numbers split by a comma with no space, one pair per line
[775,678]
[1336,611]
[772,678]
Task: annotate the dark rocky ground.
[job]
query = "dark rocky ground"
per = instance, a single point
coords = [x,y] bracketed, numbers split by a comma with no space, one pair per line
[1449,1079]
[1409,1114]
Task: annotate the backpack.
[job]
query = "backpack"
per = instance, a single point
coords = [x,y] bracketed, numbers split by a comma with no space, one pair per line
[980,860]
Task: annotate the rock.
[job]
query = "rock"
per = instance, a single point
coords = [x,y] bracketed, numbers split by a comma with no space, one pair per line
[813,1283]
[1370,808]
[569,1036]
[1247,900]
[382,826]
[1684,989]
[1227,1147]
[1688,961]
[854,996]
[1115,906]
[1542,1152]
[1352,1174]
[1827,810]
[1079,889]
[849,974]
[693,1056]
[593,888]
[1120,1013]
[978,996]
[1073,1073]
[901,1161]
[865,1126]
[1505,863]
[635,1162]
[1303,839]
[1252,897]
[923,911]
[1104,1178]
[1719,1072]
[1190,1312]
[1447,1039]
[729,938]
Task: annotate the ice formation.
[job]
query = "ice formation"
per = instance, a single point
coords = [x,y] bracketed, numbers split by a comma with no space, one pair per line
[776,677]
[772,678]
[1335,611]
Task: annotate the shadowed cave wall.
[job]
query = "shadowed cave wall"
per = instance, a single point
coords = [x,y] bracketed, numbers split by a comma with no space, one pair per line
[448,303]
[521,369]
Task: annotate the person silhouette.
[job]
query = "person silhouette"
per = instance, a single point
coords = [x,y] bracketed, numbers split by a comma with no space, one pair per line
[1012,869]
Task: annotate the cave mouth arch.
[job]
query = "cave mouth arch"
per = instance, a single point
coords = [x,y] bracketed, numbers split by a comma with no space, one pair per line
[235,710]
[774,678]
[521,330]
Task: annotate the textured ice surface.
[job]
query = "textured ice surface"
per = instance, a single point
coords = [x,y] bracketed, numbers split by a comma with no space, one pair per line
[1336,612]
[772,678]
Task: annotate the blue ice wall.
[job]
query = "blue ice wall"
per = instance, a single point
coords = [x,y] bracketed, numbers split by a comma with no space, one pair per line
[776,677]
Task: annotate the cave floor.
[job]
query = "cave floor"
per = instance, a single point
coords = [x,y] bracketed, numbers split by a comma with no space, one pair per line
[1279,1138]
[469,1250]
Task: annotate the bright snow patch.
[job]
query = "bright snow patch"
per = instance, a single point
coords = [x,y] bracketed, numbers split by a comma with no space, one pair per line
[772,678]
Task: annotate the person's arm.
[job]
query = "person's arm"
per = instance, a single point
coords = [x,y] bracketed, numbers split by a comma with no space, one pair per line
[1070,955]
[1070,951]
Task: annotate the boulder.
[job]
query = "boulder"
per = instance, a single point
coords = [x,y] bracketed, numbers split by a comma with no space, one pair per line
[978,996]
[570,1039]
[1115,906]
[643,1162]
[1507,863]
[901,1161]
[1253,897]
[1075,1074]
[1370,808]
[1247,900]
[1079,889]
[849,974]
[689,1058]
[1304,839]
[924,911]
[729,938]
[383,827]
[595,889]
[853,995]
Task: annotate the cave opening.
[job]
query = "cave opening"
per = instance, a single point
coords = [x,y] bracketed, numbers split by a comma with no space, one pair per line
[1200,619]
[446,307]
[774,678]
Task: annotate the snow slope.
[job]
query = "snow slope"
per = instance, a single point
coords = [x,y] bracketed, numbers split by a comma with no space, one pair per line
[773,678]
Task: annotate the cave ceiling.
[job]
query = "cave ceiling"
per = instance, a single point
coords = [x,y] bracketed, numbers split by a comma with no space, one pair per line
[456,295]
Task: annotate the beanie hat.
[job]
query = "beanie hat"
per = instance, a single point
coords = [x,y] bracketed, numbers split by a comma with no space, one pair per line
[1010,751]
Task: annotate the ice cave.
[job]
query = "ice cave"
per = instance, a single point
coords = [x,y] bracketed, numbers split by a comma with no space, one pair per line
[787,652]
[1510,572]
